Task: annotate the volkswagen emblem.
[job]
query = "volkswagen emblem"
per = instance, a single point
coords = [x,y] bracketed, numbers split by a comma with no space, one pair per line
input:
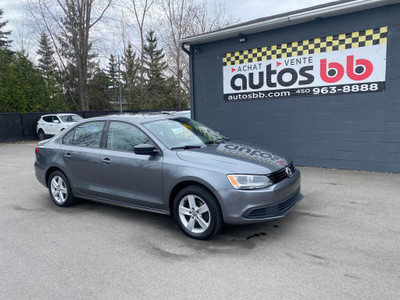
[289,172]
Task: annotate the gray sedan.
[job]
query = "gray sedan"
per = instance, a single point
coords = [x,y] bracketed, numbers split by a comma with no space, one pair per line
[169,165]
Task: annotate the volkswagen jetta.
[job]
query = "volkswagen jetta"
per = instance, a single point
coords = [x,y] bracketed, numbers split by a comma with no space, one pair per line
[169,165]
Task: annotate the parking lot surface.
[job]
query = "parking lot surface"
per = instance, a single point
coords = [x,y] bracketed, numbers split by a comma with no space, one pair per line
[341,242]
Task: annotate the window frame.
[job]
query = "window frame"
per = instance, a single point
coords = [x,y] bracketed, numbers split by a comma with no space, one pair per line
[106,131]
[48,116]
[74,131]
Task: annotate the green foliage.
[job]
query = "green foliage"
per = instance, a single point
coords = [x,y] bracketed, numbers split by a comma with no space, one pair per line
[46,60]
[131,91]
[70,84]
[26,88]
[98,90]
[113,78]
[157,88]
[22,87]
[48,68]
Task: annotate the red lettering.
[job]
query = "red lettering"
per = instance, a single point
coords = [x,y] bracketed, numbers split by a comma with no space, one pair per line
[363,68]
[331,72]
[334,71]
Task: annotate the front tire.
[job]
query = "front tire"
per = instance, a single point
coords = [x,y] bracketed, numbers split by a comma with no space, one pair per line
[197,212]
[60,189]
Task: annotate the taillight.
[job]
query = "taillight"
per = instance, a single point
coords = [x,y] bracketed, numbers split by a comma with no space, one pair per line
[36,149]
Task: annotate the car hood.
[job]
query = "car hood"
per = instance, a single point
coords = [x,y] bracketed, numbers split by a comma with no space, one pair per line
[236,157]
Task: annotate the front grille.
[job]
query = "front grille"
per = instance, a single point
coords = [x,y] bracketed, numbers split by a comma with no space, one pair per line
[280,175]
[276,210]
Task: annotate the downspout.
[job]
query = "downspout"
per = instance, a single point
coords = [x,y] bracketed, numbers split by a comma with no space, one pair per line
[191,75]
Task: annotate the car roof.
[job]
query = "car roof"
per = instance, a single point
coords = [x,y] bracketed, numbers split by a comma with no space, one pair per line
[63,114]
[135,118]
[67,114]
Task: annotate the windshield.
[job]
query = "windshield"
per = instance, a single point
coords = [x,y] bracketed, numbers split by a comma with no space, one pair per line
[183,133]
[70,118]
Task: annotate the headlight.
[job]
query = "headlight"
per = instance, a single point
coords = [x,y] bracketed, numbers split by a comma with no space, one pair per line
[249,182]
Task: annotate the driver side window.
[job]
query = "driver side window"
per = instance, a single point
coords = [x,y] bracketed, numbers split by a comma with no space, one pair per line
[123,137]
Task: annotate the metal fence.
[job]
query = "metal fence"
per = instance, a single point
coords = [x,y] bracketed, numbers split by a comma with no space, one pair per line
[15,127]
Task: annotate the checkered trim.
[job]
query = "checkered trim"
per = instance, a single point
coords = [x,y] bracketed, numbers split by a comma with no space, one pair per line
[342,41]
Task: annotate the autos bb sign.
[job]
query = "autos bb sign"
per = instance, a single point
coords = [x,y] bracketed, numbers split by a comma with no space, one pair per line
[340,64]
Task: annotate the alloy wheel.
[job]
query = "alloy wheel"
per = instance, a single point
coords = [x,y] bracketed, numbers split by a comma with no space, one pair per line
[59,189]
[194,214]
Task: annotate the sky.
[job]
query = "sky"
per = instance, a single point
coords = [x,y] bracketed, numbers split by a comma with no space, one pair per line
[248,10]
[245,10]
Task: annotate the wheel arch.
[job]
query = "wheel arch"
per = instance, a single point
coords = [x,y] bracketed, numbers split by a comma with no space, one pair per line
[51,170]
[183,184]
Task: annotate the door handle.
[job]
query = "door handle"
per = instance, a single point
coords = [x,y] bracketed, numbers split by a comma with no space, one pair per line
[107,161]
[67,155]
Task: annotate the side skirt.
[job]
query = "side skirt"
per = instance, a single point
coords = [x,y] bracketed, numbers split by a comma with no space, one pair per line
[125,204]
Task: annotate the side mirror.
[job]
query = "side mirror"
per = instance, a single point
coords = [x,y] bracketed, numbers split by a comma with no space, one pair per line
[56,121]
[145,149]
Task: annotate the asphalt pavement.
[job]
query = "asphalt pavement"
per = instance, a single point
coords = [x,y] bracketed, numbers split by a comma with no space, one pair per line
[341,242]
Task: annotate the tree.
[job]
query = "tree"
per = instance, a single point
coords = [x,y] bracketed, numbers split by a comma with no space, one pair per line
[130,77]
[4,41]
[69,77]
[48,67]
[113,78]
[141,9]
[46,60]
[98,89]
[182,18]
[155,67]
[77,23]
[22,87]
[69,24]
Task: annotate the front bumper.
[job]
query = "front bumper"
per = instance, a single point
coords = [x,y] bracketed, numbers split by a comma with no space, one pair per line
[251,206]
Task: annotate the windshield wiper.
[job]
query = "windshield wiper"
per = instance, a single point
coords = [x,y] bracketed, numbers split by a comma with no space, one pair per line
[187,147]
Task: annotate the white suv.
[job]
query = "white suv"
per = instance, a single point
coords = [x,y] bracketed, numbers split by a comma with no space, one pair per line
[54,123]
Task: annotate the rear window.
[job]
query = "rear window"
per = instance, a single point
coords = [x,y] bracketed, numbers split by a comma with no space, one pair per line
[85,135]
[70,118]
[48,119]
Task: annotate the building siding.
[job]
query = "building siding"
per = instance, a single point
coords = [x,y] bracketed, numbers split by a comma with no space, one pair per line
[347,131]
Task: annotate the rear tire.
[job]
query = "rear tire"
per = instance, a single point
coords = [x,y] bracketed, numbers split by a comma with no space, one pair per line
[41,135]
[197,212]
[60,189]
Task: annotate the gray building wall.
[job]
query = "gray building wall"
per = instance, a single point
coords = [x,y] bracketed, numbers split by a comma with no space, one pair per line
[349,131]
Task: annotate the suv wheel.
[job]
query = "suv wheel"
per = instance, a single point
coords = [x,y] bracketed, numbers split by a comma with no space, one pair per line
[41,135]
[197,212]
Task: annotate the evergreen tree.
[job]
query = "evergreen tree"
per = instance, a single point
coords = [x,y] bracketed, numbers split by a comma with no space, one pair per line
[155,67]
[4,41]
[46,61]
[70,84]
[113,78]
[22,87]
[98,89]
[48,67]
[130,77]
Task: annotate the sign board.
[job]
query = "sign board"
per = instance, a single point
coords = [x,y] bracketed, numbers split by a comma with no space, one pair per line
[340,64]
